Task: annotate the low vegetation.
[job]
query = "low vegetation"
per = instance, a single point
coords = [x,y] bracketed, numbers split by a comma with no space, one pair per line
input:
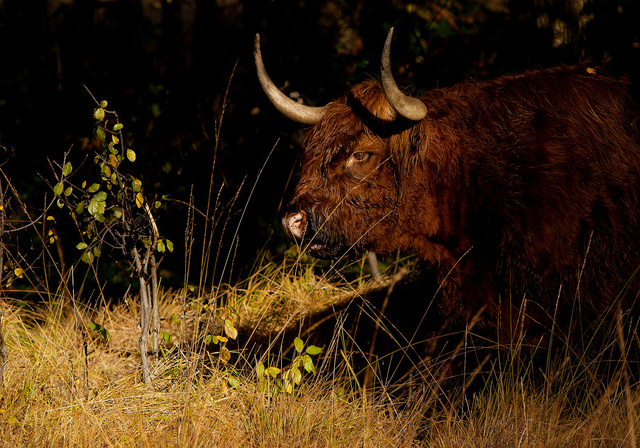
[73,378]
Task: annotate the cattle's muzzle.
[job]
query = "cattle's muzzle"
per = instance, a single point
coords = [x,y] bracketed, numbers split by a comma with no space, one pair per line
[295,224]
[306,231]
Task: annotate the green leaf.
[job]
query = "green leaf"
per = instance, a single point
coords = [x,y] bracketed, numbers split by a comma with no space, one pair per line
[57,190]
[218,339]
[96,206]
[272,372]
[313,350]
[165,336]
[207,339]
[103,104]
[296,375]
[97,252]
[136,185]
[80,208]
[102,332]
[229,329]
[288,388]
[131,155]
[170,245]
[160,246]
[117,127]
[298,344]
[100,133]
[81,246]
[87,257]
[67,169]
[68,191]
[292,378]
[260,370]
[225,354]
[93,188]
[98,114]
[308,365]
[233,381]
[101,196]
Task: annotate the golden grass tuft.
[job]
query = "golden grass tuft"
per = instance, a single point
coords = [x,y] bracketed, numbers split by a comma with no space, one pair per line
[65,386]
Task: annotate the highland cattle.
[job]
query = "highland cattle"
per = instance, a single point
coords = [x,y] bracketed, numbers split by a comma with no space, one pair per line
[520,188]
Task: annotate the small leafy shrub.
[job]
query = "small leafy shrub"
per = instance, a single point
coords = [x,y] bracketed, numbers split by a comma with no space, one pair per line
[112,211]
[275,380]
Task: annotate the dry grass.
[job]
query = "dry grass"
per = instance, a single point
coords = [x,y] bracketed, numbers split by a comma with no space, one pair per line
[67,387]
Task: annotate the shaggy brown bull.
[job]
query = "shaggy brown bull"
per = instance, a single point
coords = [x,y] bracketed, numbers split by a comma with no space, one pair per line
[525,186]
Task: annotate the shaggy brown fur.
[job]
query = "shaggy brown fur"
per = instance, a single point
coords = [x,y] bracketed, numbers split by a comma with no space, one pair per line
[525,186]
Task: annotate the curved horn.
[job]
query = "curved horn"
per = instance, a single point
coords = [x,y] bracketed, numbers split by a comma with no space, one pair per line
[410,108]
[288,107]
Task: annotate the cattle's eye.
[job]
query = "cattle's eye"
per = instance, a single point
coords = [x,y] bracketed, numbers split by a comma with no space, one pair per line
[360,157]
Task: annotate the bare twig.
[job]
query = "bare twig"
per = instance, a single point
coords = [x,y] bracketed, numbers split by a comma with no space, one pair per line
[155,329]
[145,314]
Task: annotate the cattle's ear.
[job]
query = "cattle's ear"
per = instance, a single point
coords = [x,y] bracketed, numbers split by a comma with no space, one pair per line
[405,152]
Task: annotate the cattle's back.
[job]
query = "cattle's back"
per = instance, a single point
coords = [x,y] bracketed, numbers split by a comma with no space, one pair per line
[548,175]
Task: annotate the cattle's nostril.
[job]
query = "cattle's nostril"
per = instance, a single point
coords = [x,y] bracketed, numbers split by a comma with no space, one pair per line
[295,224]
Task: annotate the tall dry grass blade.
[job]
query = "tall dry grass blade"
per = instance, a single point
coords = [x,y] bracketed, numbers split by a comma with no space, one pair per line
[246,205]
[368,379]
[4,354]
[210,213]
[632,416]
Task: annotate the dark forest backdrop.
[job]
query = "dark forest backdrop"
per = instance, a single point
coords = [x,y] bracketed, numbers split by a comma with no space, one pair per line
[167,66]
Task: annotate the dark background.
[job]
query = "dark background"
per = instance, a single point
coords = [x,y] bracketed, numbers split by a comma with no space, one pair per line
[167,68]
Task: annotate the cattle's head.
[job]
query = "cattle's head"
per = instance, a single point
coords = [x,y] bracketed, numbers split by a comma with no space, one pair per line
[349,186]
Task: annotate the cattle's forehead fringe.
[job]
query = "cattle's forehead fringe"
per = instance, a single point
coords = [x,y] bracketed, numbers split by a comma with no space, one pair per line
[364,110]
